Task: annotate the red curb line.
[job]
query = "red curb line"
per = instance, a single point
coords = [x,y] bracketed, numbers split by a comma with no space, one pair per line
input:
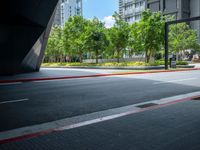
[88,76]
[45,132]
[26,136]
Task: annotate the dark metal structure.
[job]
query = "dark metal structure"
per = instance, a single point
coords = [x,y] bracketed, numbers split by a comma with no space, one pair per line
[167,24]
[178,8]
[24,30]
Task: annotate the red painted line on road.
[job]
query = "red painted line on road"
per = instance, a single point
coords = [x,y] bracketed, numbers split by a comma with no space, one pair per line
[26,136]
[90,76]
[45,132]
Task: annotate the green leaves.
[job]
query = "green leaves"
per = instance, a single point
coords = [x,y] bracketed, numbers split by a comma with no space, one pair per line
[182,37]
[96,39]
[81,37]
[147,35]
[74,36]
[118,35]
[55,49]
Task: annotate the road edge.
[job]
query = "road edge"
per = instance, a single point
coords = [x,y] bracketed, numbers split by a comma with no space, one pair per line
[92,76]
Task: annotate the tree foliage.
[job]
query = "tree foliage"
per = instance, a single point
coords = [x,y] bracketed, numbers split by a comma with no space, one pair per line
[75,36]
[150,33]
[119,36]
[55,49]
[181,38]
[80,37]
[135,40]
[96,39]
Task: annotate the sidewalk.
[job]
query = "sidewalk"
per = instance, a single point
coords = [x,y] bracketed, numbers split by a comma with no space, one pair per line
[175,127]
[59,74]
[197,65]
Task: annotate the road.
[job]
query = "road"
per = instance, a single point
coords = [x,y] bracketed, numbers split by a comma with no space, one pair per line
[33,103]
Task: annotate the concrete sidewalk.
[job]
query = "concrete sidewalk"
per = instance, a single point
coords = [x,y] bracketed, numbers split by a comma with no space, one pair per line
[197,65]
[175,127]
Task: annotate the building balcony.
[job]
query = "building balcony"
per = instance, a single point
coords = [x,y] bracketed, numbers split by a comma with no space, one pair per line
[139,9]
[129,12]
[134,10]
[127,2]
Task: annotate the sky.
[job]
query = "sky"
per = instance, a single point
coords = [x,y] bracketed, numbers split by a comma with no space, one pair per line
[102,9]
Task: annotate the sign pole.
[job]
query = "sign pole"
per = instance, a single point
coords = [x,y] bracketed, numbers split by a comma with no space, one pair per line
[166,46]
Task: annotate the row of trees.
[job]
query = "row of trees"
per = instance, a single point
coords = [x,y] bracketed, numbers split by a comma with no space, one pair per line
[181,39]
[81,37]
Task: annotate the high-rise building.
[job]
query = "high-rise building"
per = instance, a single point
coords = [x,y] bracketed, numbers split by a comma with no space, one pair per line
[131,10]
[180,9]
[195,11]
[67,9]
[57,18]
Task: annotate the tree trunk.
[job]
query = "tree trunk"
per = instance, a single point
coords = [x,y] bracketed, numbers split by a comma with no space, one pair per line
[118,57]
[97,54]
[81,58]
[182,55]
[146,57]
[130,54]
[152,56]
[177,54]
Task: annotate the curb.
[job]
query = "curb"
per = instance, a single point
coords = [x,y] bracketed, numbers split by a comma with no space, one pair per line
[90,76]
[113,67]
[62,127]
[121,67]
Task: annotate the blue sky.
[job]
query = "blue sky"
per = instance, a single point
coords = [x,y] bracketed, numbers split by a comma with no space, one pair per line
[99,8]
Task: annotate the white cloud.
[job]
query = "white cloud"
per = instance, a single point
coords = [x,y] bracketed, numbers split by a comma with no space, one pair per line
[109,21]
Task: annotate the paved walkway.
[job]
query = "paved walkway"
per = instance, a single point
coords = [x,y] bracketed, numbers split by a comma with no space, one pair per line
[197,65]
[174,127]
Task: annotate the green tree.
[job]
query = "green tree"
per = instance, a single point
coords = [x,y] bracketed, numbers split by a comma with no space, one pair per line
[135,40]
[181,38]
[75,36]
[55,47]
[150,33]
[96,39]
[118,35]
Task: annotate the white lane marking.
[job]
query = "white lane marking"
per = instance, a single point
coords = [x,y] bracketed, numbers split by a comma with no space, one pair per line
[14,83]
[14,101]
[173,81]
[87,119]
[97,120]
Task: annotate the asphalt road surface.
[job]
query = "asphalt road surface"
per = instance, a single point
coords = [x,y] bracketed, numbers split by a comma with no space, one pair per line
[32,103]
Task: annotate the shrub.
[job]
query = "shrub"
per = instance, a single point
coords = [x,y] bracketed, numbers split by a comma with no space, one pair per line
[162,62]
[156,63]
[182,63]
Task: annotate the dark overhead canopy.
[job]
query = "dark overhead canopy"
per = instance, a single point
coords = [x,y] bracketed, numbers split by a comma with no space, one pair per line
[24,30]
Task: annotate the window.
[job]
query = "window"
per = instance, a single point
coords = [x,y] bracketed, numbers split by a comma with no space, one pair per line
[164,4]
[177,3]
[141,3]
[137,17]
[137,5]
[128,7]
